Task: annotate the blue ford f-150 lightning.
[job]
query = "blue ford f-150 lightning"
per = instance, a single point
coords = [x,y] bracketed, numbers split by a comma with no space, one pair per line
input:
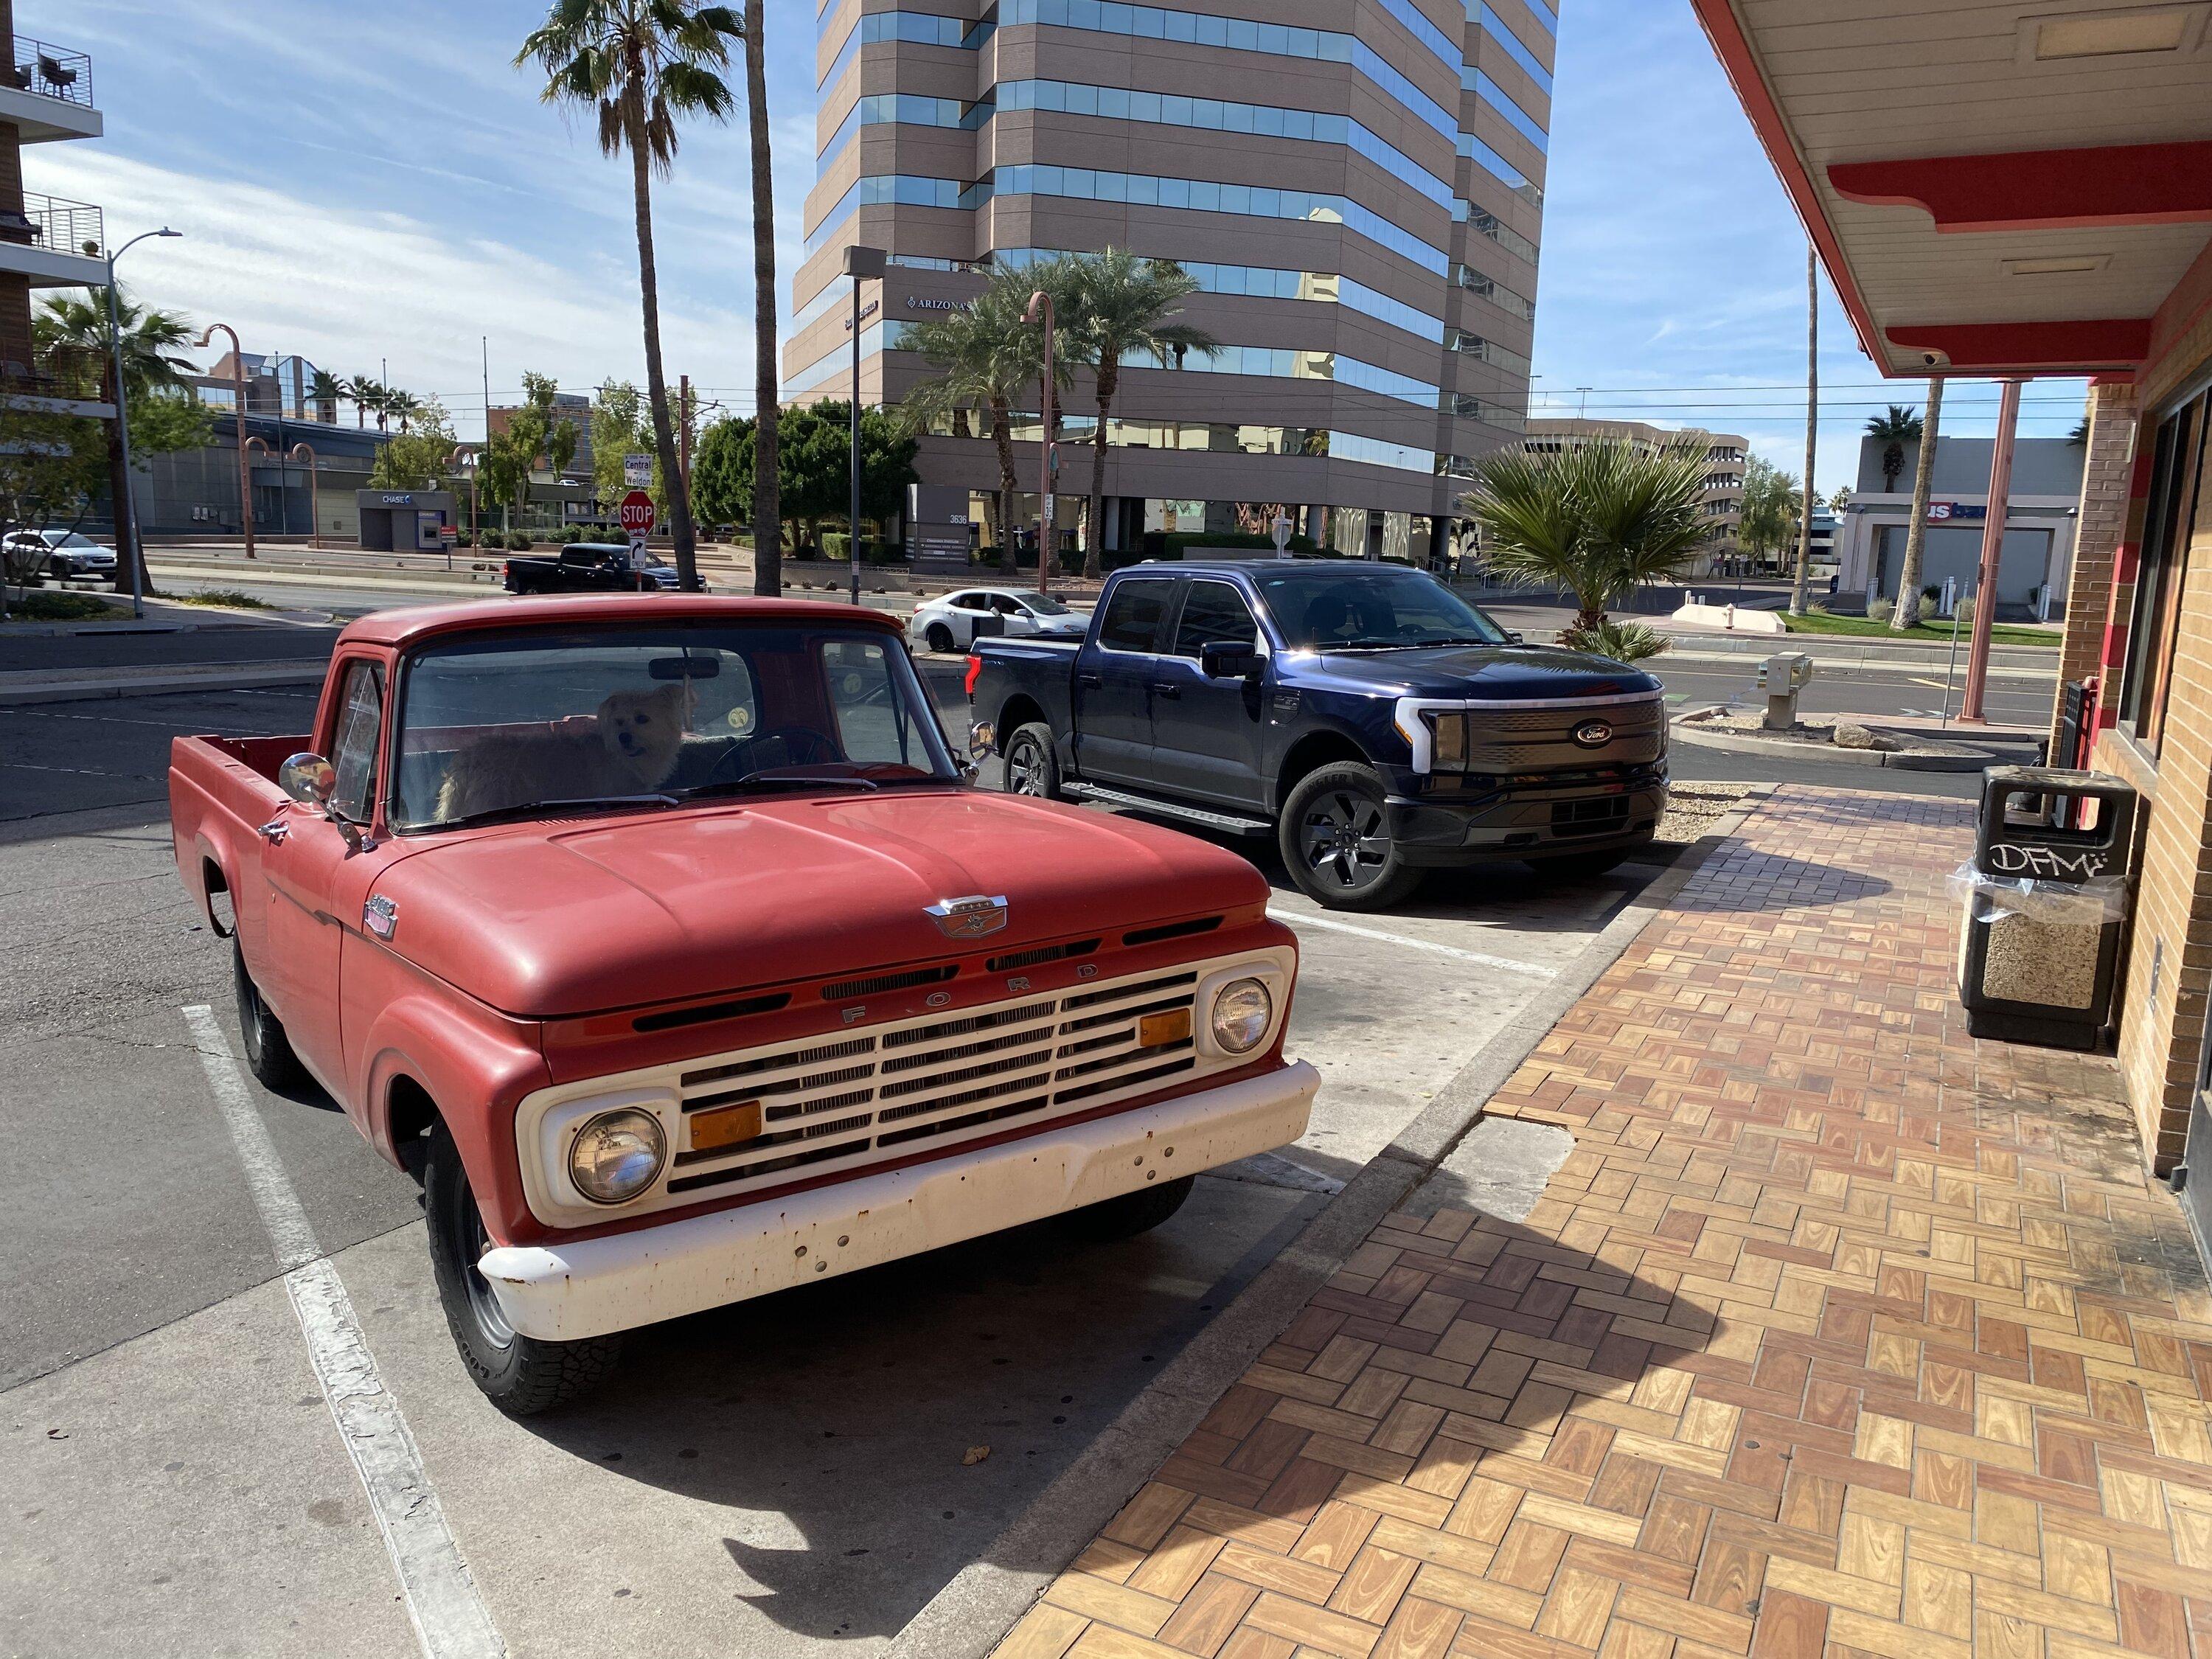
[1365,713]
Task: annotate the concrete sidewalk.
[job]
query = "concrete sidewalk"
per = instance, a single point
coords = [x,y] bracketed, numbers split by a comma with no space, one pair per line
[1835,1331]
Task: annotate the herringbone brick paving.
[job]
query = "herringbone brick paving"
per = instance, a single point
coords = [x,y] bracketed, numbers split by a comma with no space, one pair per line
[1837,1334]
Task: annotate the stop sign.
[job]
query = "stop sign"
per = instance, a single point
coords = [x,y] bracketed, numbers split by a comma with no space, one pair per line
[637,512]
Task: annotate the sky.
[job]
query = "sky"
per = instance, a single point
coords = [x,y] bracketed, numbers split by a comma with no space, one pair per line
[377,188]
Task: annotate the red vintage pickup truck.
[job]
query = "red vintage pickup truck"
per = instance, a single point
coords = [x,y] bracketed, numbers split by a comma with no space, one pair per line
[667,941]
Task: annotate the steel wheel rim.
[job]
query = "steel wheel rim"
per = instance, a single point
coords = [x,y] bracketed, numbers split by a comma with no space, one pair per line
[1340,840]
[1025,768]
[490,1317]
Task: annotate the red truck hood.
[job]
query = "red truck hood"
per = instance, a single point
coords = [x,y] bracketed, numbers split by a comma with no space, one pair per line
[554,921]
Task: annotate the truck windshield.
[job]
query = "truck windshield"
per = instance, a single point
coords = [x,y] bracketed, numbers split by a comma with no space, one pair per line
[1336,608]
[493,724]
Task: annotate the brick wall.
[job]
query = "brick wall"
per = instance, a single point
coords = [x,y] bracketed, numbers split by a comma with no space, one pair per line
[2169,967]
[2107,487]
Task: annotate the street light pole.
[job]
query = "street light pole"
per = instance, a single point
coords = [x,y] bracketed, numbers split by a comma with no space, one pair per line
[244,472]
[859,262]
[1048,508]
[126,510]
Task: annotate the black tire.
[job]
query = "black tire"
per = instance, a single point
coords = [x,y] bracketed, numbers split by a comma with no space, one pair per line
[519,1374]
[1335,841]
[1128,1215]
[938,637]
[1032,765]
[269,1054]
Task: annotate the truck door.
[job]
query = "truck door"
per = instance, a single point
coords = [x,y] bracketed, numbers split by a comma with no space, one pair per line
[317,884]
[1208,734]
[1111,703]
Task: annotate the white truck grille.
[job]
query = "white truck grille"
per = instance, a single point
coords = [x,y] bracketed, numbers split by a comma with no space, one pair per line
[841,1101]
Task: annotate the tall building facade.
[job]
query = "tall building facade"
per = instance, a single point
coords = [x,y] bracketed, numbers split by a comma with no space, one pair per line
[1356,185]
[1724,461]
[45,241]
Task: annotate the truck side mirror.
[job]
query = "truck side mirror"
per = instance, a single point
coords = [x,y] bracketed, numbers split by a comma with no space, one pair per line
[1228,659]
[309,779]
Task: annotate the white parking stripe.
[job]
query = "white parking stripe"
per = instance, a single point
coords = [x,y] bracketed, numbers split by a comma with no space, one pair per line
[451,1620]
[1302,919]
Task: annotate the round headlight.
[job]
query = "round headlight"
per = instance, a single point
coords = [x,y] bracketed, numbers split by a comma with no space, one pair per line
[617,1155]
[1242,1012]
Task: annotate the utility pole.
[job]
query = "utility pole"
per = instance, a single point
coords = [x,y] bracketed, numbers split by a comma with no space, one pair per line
[1811,425]
[483,342]
[1993,532]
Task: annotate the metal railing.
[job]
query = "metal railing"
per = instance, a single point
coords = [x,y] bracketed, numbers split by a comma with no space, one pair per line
[51,71]
[63,227]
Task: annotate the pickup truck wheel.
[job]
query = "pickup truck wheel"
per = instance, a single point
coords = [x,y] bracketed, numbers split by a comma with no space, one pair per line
[1032,768]
[519,1374]
[1336,841]
[939,637]
[1128,1215]
[269,1054]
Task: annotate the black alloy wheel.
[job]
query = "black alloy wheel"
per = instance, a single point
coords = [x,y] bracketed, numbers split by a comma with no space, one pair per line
[1336,838]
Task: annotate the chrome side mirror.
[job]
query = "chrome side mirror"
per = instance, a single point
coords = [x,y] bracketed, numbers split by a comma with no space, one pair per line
[309,779]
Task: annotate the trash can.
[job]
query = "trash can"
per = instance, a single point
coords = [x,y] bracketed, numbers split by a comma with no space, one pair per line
[2046,897]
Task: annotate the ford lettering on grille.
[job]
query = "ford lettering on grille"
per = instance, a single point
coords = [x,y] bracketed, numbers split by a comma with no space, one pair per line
[1594,734]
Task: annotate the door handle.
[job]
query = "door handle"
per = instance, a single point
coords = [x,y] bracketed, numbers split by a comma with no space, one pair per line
[1092,682]
[1166,689]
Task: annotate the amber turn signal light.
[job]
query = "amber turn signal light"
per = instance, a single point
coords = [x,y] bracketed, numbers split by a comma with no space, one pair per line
[726,1126]
[1157,1031]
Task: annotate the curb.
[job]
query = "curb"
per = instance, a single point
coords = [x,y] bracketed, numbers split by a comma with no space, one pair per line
[1737,743]
[13,696]
[969,1617]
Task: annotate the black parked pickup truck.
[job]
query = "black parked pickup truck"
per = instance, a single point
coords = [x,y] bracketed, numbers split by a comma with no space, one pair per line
[1373,721]
[588,568]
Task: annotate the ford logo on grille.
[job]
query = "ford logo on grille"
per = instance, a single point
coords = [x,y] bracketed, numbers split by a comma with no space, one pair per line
[1594,734]
[969,917]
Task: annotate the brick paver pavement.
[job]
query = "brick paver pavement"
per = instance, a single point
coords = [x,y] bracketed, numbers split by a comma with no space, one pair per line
[1836,1334]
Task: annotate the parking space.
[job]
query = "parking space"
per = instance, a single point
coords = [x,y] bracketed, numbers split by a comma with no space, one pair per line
[776,1477]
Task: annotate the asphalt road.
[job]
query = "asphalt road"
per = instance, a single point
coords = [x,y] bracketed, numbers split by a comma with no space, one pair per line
[781,1477]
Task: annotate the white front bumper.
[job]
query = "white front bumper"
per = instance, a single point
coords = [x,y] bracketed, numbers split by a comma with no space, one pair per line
[562,1292]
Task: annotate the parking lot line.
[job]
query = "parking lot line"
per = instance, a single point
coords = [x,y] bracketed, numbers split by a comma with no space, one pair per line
[1302,919]
[450,1618]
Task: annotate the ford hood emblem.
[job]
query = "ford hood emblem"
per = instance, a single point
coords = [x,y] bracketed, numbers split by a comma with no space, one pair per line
[1593,734]
[969,917]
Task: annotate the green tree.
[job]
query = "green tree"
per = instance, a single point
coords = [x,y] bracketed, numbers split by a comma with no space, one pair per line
[153,343]
[556,435]
[403,407]
[639,64]
[419,458]
[324,391]
[725,482]
[368,397]
[813,465]
[1598,522]
[51,466]
[1899,426]
[617,413]
[1770,507]
[1121,307]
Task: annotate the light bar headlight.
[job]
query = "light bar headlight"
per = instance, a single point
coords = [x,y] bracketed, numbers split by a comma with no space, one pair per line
[1448,742]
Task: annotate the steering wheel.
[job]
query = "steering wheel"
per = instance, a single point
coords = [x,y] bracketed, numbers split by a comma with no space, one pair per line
[805,746]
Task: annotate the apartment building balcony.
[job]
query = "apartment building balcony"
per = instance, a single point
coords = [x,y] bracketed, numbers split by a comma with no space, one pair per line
[46,92]
[59,380]
[54,242]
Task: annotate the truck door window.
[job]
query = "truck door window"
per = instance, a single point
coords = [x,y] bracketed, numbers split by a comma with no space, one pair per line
[361,723]
[1213,612]
[873,722]
[1132,621]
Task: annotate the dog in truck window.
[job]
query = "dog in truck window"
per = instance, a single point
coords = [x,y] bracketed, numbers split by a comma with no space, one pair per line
[629,748]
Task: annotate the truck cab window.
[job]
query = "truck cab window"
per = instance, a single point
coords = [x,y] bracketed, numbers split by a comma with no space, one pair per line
[1213,613]
[1132,616]
[360,722]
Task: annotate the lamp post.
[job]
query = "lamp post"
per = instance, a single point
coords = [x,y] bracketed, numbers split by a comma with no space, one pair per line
[126,510]
[1040,306]
[860,263]
[314,485]
[245,470]
[472,460]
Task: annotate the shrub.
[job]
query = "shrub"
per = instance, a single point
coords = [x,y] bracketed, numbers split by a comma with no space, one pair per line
[836,546]
[1928,607]
[43,605]
[1818,608]
[1881,611]
[1962,614]
[517,541]
[464,539]
[1623,642]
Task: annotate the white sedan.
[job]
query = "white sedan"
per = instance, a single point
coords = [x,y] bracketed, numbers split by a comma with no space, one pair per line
[68,554]
[949,623]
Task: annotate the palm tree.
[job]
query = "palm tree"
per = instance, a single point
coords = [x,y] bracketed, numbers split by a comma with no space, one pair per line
[640,64]
[401,406]
[1907,614]
[2079,437]
[1122,307]
[152,344]
[987,356]
[324,391]
[364,392]
[1899,427]
[767,494]
[1598,521]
